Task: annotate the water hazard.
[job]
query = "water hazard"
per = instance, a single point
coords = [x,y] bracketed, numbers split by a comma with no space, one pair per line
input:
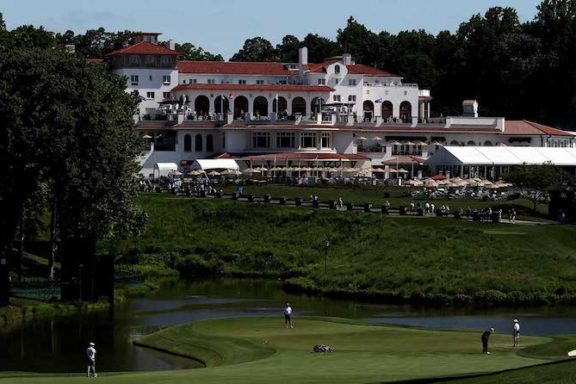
[58,345]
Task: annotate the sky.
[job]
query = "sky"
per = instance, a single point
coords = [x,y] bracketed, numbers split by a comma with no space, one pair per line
[222,26]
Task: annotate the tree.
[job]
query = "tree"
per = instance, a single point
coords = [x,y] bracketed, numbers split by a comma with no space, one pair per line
[67,125]
[320,48]
[359,41]
[191,52]
[287,51]
[537,180]
[2,23]
[256,49]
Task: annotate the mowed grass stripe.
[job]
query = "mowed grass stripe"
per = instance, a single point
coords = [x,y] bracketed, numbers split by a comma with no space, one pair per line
[262,350]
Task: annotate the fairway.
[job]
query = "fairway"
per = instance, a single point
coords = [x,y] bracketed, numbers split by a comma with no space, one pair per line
[262,350]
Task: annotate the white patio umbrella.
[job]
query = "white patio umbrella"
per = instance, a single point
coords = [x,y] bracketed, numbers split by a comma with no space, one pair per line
[377,138]
[394,143]
[430,183]
[361,138]
[378,170]
[175,173]
[214,173]
[402,170]
[230,172]
[195,172]
[146,137]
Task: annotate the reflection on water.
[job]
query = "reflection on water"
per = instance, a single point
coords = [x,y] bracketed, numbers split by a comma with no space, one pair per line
[58,345]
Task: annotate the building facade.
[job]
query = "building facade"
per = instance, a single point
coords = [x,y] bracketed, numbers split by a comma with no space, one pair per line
[335,113]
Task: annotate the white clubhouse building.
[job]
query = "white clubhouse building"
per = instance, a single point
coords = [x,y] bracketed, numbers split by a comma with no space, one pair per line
[337,113]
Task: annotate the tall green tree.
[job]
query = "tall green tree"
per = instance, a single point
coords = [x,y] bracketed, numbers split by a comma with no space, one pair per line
[287,50]
[256,49]
[320,48]
[69,125]
[191,52]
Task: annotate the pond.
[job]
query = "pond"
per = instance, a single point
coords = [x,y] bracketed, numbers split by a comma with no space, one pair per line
[58,345]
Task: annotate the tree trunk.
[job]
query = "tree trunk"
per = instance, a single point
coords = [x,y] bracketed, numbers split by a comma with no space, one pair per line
[85,276]
[78,259]
[11,212]
[53,224]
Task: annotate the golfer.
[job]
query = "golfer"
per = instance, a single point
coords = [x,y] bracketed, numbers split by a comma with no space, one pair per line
[288,316]
[485,338]
[91,356]
[516,333]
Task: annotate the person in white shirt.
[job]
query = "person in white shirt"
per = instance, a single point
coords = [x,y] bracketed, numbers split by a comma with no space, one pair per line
[288,316]
[91,356]
[516,333]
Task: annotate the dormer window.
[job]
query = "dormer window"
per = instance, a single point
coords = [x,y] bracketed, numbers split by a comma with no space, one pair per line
[336,68]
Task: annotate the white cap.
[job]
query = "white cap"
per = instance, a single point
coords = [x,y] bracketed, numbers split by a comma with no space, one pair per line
[515,320]
[492,329]
[92,344]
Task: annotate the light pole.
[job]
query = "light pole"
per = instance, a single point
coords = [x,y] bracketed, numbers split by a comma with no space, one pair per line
[326,245]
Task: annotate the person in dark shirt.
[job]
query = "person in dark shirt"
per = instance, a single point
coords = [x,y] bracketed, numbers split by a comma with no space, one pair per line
[485,338]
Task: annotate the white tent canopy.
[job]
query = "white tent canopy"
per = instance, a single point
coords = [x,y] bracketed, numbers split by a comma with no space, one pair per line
[163,169]
[449,156]
[207,164]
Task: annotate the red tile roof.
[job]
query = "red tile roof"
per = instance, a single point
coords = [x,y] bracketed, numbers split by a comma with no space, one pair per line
[525,127]
[353,69]
[253,87]
[145,48]
[236,68]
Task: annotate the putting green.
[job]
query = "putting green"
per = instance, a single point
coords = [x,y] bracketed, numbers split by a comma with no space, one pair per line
[261,350]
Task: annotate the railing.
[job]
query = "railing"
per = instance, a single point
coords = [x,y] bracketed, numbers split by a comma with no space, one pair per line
[407,85]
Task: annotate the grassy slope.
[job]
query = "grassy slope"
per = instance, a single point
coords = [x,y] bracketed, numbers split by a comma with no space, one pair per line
[368,252]
[261,350]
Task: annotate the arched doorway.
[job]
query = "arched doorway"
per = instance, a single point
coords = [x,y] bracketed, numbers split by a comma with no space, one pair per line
[218,107]
[488,143]
[299,106]
[368,108]
[471,143]
[198,143]
[316,105]
[387,110]
[406,112]
[260,106]
[280,106]
[240,107]
[201,105]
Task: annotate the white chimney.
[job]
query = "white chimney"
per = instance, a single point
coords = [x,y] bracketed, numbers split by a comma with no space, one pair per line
[347,59]
[303,56]
[172,44]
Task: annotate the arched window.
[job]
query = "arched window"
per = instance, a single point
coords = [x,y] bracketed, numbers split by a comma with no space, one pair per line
[471,143]
[336,68]
[279,105]
[198,143]
[240,107]
[387,110]
[201,105]
[454,143]
[187,143]
[299,106]
[261,106]
[209,143]
[406,112]
[488,143]
[368,108]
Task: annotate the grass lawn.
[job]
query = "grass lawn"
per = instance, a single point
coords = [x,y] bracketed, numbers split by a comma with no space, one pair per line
[408,258]
[261,350]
